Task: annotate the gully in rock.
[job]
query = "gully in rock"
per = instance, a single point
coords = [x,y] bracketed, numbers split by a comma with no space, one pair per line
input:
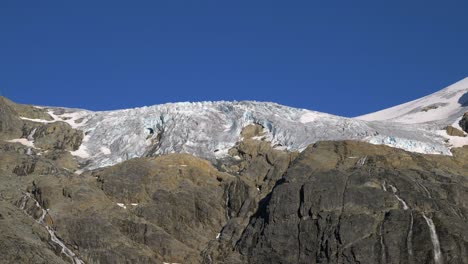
[409,237]
[53,237]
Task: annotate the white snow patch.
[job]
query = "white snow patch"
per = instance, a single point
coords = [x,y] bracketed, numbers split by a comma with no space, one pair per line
[458,142]
[281,148]
[122,205]
[70,118]
[81,152]
[22,141]
[456,123]
[106,150]
[309,117]
[37,120]
[454,141]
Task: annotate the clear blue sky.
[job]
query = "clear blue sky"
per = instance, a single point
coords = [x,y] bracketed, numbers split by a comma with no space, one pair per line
[340,57]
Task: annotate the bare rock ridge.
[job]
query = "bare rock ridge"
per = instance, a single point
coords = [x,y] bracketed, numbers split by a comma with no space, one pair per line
[257,188]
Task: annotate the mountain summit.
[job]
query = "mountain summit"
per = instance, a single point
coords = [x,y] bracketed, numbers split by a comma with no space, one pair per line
[235,182]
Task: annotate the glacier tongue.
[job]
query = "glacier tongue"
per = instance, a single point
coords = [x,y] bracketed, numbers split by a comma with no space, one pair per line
[209,129]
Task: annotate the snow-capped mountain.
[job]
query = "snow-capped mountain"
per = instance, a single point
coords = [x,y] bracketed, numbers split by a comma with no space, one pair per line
[444,107]
[209,129]
[211,204]
[144,196]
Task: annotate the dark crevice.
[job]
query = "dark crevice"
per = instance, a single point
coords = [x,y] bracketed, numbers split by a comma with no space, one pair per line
[301,205]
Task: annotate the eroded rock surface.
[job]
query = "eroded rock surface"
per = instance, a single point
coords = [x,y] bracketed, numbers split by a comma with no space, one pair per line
[348,202]
[335,202]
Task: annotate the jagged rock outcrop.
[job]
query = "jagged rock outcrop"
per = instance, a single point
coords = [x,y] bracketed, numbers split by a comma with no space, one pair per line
[21,160]
[58,135]
[464,122]
[27,111]
[10,125]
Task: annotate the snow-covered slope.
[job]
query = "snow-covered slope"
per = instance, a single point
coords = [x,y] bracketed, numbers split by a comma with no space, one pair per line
[444,107]
[432,113]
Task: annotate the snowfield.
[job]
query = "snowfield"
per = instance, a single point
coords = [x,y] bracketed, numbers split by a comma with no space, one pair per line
[209,129]
[443,107]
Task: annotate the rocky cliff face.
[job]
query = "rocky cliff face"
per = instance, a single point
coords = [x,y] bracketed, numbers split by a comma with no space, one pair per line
[464,122]
[334,202]
[343,202]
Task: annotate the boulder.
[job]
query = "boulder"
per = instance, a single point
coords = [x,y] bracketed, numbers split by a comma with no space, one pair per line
[455,132]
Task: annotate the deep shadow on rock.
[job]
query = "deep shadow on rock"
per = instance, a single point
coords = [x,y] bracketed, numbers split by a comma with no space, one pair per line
[463,100]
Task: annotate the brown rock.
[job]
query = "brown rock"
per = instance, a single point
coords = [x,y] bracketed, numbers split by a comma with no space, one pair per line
[252,130]
[10,124]
[57,136]
[455,132]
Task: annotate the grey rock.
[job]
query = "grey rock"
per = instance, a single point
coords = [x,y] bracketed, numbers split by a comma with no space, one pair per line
[464,122]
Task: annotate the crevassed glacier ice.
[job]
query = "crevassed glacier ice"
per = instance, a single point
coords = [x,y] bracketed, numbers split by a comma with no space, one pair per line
[209,129]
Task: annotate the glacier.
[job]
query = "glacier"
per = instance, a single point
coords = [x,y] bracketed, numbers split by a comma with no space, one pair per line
[210,129]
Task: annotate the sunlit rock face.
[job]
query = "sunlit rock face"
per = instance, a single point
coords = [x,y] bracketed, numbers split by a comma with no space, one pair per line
[234,182]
